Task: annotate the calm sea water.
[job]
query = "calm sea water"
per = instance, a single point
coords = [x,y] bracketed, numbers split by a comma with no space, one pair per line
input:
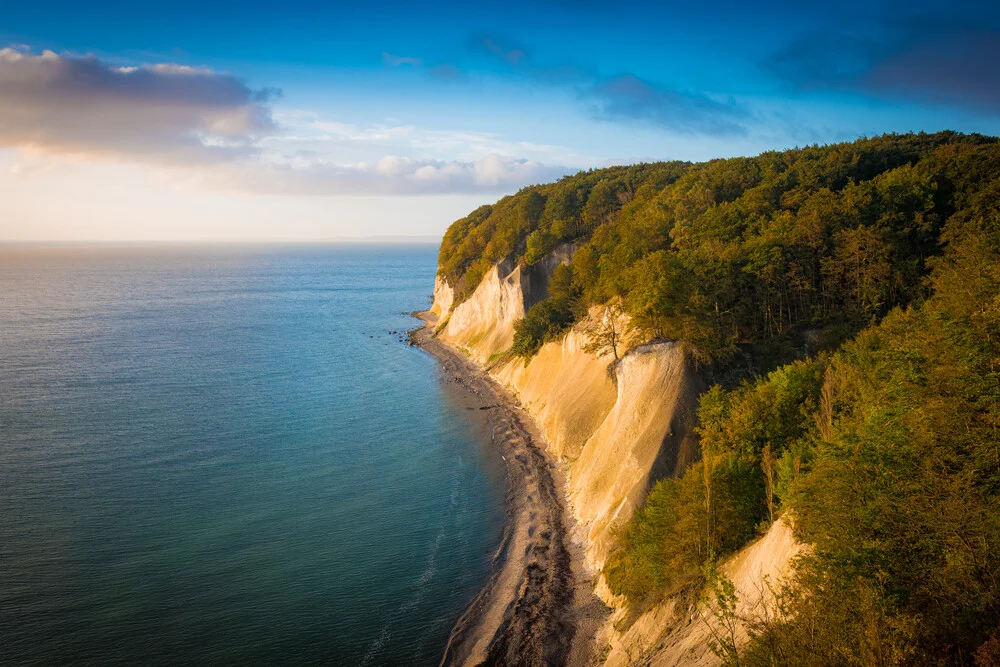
[221,455]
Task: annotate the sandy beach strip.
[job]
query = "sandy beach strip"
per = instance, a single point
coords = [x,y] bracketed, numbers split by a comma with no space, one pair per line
[538,608]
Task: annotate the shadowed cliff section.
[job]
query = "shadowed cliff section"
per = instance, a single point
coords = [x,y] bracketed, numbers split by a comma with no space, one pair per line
[483,324]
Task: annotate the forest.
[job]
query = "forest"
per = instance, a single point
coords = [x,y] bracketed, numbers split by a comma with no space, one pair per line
[844,303]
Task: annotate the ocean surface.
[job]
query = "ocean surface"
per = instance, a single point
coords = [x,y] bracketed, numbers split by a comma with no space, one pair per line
[222,455]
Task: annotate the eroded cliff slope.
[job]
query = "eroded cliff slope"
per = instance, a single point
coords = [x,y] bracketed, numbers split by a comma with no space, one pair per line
[483,324]
[616,427]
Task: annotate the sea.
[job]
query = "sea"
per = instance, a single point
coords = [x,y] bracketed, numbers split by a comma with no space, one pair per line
[229,455]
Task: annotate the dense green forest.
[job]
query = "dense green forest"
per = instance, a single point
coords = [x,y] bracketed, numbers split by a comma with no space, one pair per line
[738,256]
[847,301]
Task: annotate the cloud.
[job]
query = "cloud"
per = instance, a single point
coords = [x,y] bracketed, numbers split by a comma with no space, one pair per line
[518,61]
[957,69]
[625,98]
[398,61]
[825,60]
[317,134]
[162,113]
[925,60]
[445,71]
[206,128]
[628,98]
[390,175]
[512,56]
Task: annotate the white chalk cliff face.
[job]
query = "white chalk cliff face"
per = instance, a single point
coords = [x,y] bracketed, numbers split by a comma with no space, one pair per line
[567,391]
[483,324]
[617,428]
[444,296]
[647,435]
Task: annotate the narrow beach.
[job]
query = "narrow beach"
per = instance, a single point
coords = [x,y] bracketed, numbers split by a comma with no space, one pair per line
[538,607]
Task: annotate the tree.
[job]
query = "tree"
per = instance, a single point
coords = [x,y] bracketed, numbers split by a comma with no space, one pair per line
[601,204]
[860,264]
[767,462]
[542,323]
[606,333]
[539,244]
[720,602]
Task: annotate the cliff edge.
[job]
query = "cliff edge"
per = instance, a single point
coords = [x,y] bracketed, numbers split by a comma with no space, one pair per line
[615,427]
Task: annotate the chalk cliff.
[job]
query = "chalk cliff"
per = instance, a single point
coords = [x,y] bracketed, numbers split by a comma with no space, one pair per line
[615,426]
[483,324]
[618,427]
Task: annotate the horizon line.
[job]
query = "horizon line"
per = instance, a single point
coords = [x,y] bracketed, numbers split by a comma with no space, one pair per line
[376,239]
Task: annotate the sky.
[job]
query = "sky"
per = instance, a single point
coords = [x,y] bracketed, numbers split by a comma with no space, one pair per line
[308,120]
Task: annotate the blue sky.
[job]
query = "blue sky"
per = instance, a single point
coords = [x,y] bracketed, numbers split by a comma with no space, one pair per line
[309,120]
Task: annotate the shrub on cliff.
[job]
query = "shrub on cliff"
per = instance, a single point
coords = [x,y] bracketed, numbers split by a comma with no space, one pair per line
[548,319]
[712,510]
[543,322]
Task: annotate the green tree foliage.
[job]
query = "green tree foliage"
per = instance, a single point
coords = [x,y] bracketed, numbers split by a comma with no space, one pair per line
[884,450]
[719,600]
[539,243]
[555,212]
[719,503]
[901,497]
[686,523]
[543,322]
[887,459]
[747,253]
[547,319]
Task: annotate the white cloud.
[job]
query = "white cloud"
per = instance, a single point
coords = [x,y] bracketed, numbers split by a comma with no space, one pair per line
[208,128]
[306,128]
[390,175]
[397,61]
[159,113]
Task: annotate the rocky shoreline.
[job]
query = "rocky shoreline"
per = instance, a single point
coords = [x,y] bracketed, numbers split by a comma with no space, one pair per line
[538,607]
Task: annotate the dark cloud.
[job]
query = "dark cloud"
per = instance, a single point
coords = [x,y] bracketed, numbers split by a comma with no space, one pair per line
[500,48]
[516,59]
[958,69]
[826,60]
[942,61]
[625,98]
[161,113]
[628,98]
[512,56]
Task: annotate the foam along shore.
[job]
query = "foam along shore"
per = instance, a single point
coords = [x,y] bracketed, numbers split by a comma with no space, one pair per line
[538,606]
